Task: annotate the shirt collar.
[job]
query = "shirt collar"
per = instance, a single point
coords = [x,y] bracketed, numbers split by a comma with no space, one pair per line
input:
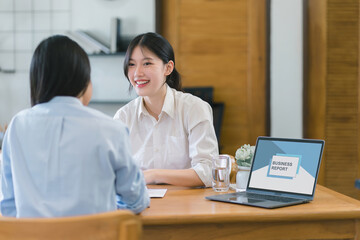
[168,106]
[66,99]
[142,109]
[169,103]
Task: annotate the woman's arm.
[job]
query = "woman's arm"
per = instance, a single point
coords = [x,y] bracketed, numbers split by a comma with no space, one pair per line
[202,145]
[179,177]
[202,140]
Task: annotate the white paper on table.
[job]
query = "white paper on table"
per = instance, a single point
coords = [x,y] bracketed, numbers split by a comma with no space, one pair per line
[157,193]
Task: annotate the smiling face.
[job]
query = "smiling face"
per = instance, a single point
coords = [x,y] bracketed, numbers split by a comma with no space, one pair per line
[147,73]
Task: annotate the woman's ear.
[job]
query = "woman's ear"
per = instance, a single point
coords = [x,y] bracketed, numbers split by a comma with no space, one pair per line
[86,95]
[169,68]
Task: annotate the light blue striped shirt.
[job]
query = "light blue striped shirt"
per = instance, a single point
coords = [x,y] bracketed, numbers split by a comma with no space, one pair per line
[61,158]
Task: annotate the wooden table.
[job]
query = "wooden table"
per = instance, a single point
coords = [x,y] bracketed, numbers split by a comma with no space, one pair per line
[184,214]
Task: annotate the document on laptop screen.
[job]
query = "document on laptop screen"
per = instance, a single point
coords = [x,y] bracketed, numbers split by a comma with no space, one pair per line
[285,166]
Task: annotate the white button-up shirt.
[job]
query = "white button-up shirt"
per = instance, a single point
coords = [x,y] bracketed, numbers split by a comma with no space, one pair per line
[182,138]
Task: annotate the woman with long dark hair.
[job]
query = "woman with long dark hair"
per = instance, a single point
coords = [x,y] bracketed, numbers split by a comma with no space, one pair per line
[61,158]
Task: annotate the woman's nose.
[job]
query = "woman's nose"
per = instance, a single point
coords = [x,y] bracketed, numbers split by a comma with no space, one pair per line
[138,70]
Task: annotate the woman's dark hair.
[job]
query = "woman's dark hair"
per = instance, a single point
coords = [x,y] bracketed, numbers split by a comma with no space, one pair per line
[59,67]
[161,48]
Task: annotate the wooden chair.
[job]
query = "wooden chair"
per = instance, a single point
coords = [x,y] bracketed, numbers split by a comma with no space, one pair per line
[121,224]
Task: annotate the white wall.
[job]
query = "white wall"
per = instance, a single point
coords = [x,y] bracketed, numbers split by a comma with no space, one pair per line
[108,79]
[37,19]
[137,16]
[286,68]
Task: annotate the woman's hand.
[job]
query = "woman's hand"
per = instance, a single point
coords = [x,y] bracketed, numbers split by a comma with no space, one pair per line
[150,176]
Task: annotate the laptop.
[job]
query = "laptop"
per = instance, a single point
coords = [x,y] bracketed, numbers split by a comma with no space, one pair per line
[284,172]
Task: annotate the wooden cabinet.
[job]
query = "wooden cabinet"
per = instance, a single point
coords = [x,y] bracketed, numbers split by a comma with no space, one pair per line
[222,43]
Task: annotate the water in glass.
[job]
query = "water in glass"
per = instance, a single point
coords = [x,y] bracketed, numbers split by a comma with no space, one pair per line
[221,173]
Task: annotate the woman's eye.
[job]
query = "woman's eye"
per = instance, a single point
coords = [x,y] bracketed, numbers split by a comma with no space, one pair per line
[147,63]
[131,64]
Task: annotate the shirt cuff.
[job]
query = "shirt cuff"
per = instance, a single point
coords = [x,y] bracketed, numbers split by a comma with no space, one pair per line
[204,173]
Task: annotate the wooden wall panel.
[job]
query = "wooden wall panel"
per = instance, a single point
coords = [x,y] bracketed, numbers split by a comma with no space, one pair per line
[315,83]
[222,43]
[258,84]
[336,87]
[342,95]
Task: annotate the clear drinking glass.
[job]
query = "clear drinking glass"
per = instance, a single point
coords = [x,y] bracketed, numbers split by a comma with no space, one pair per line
[221,167]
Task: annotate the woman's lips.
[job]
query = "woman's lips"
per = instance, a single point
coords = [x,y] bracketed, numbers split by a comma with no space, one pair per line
[141,83]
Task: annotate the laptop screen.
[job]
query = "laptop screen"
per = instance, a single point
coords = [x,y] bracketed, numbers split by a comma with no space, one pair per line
[286,165]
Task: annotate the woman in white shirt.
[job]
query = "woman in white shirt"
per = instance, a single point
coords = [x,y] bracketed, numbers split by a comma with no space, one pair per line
[171,133]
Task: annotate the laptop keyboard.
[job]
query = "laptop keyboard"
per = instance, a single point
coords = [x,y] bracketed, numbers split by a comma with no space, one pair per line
[271,198]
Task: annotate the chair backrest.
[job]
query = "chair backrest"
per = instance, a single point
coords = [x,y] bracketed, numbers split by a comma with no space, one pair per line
[121,224]
[218,114]
[205,93]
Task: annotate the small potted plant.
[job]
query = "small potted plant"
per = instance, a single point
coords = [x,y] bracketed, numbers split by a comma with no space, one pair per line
[243,156]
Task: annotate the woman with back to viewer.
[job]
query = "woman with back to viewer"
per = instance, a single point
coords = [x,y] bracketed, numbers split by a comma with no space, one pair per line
[61,158]
[171,132]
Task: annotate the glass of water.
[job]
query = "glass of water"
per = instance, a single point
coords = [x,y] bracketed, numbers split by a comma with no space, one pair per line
[221,168]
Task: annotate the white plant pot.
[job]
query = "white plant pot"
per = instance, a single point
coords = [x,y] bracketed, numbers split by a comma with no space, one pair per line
[242,177]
